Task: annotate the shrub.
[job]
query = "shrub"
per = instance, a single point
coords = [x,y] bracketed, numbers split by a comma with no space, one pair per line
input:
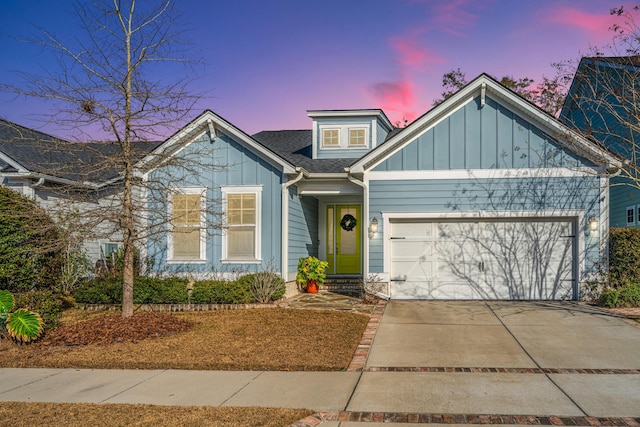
[46,303]
[219,292]
[99,291]
[30,243]
[151,290]
[624,263]
[628,296]
[609,297]
[265,286]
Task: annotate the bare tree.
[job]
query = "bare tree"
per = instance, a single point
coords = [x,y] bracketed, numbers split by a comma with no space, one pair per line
[108,84]
[549,94]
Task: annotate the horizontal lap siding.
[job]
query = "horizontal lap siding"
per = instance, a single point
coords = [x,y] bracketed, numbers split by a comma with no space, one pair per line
[303,228]
[623,195]
[486,195]
[221,163]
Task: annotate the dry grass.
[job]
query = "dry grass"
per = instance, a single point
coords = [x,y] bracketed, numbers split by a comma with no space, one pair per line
[22,414]
[262,339]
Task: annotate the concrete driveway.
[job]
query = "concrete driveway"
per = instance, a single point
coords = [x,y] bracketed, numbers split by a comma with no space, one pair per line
[506,358]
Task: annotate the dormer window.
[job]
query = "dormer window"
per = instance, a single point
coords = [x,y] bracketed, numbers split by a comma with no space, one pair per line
[357,137]
[331,137]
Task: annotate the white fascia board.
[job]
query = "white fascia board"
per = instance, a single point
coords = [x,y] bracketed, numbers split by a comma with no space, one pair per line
[548,123]
[12,162]
[352,113]
[484,174]
[201,124]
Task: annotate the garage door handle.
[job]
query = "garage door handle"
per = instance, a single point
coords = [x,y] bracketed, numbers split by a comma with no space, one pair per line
[567,236]
[398,280]
[397,238]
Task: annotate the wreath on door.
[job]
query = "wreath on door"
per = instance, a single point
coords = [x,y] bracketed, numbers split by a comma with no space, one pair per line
[348,222]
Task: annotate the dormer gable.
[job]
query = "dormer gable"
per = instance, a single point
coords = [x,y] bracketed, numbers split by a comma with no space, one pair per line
[347,133]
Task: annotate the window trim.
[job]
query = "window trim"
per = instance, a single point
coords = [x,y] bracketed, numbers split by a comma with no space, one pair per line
[203,226]
[243,189]
[365,143]
[633,213]
[330,146]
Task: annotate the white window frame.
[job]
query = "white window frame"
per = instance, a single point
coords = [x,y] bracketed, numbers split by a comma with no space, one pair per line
[322,133]
[365,142]
[243,189]
[633,212]
[103,248]
[203,229]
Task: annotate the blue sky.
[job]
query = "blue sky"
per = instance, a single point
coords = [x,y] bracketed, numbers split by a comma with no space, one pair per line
[266,62]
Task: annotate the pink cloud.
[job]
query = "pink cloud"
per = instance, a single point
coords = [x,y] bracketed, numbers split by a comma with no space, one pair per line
[411,54]
[598,24]
[452,16]
[395,98]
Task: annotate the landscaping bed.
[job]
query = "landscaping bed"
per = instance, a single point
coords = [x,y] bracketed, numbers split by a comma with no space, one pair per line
[266,339]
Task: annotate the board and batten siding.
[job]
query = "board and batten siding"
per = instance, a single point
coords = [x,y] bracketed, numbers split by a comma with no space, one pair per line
[217,163]
[303,228]
[475,137]
[471,196]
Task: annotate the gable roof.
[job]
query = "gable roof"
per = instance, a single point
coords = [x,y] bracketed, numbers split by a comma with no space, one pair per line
[209,121]
[483,85]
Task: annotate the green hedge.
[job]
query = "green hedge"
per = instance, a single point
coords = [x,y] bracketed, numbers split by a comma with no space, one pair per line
[628,296]
[624,262]
[172,290]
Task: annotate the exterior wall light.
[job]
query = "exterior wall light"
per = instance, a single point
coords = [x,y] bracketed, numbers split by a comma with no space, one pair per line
[373,227]
[593,223]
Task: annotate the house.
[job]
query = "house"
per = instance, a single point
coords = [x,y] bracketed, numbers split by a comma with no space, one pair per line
[602,103]
[483,197]
[66,178]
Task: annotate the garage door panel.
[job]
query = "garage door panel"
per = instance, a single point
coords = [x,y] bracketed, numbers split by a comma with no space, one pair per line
[518,259]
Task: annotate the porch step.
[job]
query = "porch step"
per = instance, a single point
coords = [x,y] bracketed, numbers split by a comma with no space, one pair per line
[347,286]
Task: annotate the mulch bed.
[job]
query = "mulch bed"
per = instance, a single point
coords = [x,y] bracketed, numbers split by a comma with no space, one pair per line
[114,328]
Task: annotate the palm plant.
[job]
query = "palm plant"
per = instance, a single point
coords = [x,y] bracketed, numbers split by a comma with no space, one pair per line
[22,325]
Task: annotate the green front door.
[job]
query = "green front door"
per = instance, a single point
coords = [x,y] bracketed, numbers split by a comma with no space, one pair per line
[344,230]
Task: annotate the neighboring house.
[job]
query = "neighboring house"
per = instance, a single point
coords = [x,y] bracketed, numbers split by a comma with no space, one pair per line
[65,178]
[483,197]
[602,103]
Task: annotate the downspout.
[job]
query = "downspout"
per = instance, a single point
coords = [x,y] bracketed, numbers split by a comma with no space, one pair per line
[33,187]
[285,222]
[365,214]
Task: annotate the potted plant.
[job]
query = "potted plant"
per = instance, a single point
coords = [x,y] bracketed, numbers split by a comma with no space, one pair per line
[311,273]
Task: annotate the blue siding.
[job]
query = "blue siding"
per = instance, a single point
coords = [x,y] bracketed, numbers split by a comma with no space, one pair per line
[623,194]
[488,137]
[303,228]
[344,124]
[532,194]
[212,165]
[382,132]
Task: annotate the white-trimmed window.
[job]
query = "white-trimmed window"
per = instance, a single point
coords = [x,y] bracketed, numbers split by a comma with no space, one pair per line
[187,236]
[331,137]
[109,248]
[357,137]
[243,219]
[631,217]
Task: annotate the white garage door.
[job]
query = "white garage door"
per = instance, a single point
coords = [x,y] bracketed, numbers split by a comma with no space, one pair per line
[523,259]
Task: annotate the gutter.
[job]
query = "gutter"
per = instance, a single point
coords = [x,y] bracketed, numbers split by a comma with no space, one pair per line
[285,221]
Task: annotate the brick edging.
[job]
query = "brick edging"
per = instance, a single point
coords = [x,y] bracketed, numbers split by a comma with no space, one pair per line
[174,307]
[364,346]
[459,369]
[429,418]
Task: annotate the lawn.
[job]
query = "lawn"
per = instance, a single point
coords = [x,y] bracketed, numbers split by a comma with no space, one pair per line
[27,414]
[261,339]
